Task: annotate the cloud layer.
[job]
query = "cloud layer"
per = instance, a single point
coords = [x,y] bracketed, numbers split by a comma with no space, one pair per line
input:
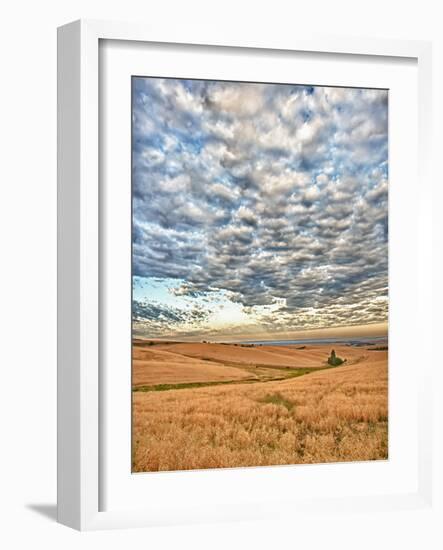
[275,194]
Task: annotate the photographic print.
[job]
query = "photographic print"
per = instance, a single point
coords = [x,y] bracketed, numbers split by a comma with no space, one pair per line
[259,274]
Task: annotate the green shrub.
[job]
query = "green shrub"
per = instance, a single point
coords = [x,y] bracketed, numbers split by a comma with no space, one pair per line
[334,360]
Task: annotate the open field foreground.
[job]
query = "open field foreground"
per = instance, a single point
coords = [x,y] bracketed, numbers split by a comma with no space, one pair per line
[256,406]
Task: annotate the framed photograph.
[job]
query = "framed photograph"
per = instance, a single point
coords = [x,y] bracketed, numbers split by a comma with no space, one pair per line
[240,221]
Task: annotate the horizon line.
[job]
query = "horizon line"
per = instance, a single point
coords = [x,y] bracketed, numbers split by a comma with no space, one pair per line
[372,330]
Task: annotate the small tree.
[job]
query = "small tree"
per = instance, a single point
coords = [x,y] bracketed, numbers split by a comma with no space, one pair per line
[334,360]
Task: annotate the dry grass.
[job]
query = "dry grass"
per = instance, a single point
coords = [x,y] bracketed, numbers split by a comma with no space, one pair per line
[185,362]
[327,416]
[276,356]
[160,367]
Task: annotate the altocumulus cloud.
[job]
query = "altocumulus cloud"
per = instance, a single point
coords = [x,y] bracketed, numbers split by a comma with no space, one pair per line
[266,201]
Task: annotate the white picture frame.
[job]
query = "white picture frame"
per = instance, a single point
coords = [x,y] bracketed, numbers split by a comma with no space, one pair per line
[80,444]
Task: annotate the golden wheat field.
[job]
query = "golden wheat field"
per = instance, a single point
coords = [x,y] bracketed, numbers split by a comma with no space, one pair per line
[262,413]
[159,366]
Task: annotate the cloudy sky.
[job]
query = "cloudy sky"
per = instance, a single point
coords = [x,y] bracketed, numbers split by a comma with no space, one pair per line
[258,209]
